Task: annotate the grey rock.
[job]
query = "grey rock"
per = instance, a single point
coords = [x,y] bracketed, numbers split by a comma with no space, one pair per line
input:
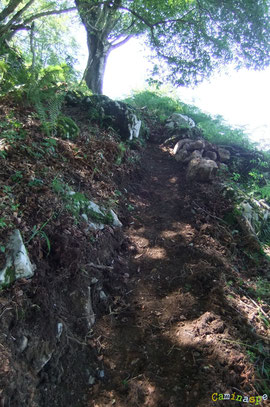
[182,156]
[59,330]
[94,207]
[251,238]
[209,146]
[103,296]
[201,170]
[23,343]
[179,145]
[96,226]
[18,264]
[91,380]
[116,221]
[85,217]
[116,114]
[40,363]
[170,126]
[223,155]
[101,374]
[212,155]
[196,145]
[196,154]
[181,120]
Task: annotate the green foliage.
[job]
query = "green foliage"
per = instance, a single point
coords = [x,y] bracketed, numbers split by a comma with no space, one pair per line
[264,192]
[157,103]
[8,204]
[3,222]
[190,38]
[17,176]
[36,182]
[38,231]
[58,186]
[66,128]
[235,176]
[77,203]
[215,129]
[259,356]
[47,94]
[231,217]
[49,145]
[262,289]
[11,131]
[3,68]
[122,150]
[264,233]
[13,71]
[160,106]
[51,39]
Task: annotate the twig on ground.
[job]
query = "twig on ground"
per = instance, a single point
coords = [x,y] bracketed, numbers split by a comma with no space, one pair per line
[99,266]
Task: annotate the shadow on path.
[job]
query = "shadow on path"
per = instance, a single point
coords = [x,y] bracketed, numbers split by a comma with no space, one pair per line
[171,340]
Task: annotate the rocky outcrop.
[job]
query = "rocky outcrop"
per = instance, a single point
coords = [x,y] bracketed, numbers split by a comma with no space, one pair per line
[118,115]
[177,127]
[251,215]
[202,158]
[94,215]
[177,120]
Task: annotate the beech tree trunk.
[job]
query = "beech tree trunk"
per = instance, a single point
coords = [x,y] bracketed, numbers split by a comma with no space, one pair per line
[98,54]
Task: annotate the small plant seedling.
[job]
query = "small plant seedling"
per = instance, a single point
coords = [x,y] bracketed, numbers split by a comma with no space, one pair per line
[35,182]
[2,223]
[17,176]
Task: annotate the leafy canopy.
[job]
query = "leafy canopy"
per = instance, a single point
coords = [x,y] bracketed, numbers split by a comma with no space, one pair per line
[193,37]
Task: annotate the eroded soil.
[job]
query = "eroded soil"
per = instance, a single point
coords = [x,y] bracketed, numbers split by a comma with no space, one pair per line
[173,324]
[173,338]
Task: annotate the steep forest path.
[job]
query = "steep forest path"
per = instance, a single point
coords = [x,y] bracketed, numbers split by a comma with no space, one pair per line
[172,339]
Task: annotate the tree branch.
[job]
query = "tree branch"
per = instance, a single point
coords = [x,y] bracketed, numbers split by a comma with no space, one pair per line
[12,5]
[152,25]
[13,28]
[113,39]
[32,48]
[15,18]
[175,20]
[124,41]
[48,13]
[146,22]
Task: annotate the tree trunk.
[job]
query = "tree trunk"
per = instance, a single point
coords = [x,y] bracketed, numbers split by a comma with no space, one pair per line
[98,54]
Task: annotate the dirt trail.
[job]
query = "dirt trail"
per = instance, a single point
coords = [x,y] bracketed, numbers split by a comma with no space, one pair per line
[171,339]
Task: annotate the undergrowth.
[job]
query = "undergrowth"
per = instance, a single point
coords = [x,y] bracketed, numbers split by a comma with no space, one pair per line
[215,129]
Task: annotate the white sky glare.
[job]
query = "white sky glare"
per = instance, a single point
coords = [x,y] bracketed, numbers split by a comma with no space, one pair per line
[242,98]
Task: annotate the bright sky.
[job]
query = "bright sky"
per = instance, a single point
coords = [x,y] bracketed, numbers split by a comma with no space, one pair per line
[242,97]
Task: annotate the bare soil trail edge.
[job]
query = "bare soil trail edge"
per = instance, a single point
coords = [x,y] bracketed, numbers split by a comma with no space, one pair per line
[172,339]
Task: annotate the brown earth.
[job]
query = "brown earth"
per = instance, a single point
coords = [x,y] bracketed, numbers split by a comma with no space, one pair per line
[174,322]
[174,338]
